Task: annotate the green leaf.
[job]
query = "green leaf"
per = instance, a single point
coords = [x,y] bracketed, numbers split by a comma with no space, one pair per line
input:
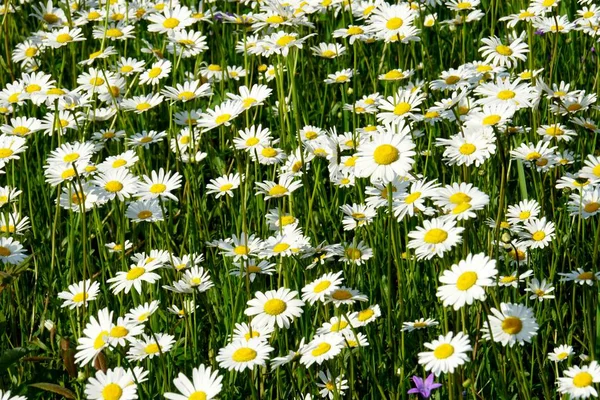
[51,387]
[11,356]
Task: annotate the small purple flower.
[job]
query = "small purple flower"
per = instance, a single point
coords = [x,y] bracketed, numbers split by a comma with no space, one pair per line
[539,32]
[424,387]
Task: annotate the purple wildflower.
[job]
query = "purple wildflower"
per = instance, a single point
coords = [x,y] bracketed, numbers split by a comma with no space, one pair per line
[424,387]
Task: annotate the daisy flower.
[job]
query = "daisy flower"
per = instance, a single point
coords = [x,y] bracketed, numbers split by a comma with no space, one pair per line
[251,331]
[357,215]
[537,233]
[388,155]
[354,253]
[95,337]
[79,294]
[578,382]
[561,353]
[435,238]
[11,251]
[328,50]
[150,346]
[10,148]
[447,353]
[540,290]
[513,323]
[421,323]
[504,55]
[585,203]
[116,383]
[344,295]
[134,277]
[224,185]
[580,276]
[6,396]
[525,210]
[205,384]
[343,76]
[472,146]
[322,348]
[465,281]
[116,183]
[517,94]
[241,247]
[253,268]
[144,211]
[140,104]
[279,307]
[244,354]
[321,287]
[170,19]
[190,90]
[330,387]
[159,185]
[284,187]
[461,201]
[556,131]
[366,316]
[222,114]
[403,104]
[253,97]
[142,312]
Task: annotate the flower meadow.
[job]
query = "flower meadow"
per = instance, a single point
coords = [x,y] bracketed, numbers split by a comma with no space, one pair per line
[299,199]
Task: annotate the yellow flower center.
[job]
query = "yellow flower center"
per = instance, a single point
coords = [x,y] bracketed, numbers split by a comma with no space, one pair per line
[394,74]
[452,79]
[321,286]
[268,152]
[402,108]
[152,348]
[574,107]
[467,149]
[226,187]
[386,154]
[119,332]
[114,33]
[394,23]
[280,247]
[506,94]
[338,326]
[466,280]
[355,30]
[512,325]
[443,351]
[112,391]
[278,191]
[68,173]
[199,395]
[113,186]
[342,78]
[321,349]
[143,106]
[463,5]
[411,198]
[504,50]
[221,119]
[287,219]
[491,119]
[244,354]
[365,315]
[582,379]
[50,18]
[32,88]
[64,38]
[460,208]
[562,356]
[538,236]
[526,14]
[21,131]
[214,67]
[435,236]
[144,214]
[80,297]
[241,250]
[275,19]
[248,102]
[591,207]
[328,53]
[285,40]
[154,72]
[275,306]
[158,188]
[586,276]
[186,95]
[554,131]
[341,294]
[55,92]
[171,23]
[119,163]
[135,273]
[99,341]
